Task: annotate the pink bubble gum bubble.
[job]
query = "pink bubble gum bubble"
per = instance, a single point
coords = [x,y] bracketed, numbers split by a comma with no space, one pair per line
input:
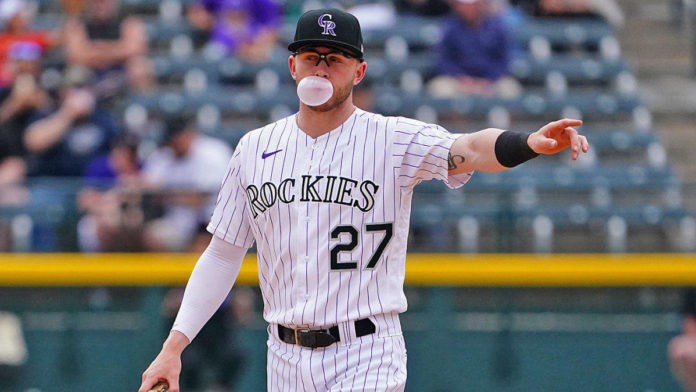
[314,91]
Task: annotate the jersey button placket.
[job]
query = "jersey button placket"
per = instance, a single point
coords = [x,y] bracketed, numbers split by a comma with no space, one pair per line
[310,156]
[299,268]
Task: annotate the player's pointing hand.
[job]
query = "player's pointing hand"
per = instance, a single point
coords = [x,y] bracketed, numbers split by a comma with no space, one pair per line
[557,136]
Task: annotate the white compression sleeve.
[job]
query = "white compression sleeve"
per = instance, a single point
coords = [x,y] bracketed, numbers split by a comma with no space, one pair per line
[210,283]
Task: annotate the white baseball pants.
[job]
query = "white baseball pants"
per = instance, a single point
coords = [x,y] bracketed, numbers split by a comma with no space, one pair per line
[376,362]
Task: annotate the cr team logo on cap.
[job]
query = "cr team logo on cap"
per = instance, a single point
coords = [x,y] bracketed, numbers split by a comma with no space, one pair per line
[328,25]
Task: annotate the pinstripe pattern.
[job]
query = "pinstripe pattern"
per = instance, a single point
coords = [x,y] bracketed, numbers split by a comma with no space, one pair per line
[288,192]
[370,363]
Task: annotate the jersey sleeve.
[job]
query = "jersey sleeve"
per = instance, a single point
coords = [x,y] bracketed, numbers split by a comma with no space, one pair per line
[230,221]
[422,153]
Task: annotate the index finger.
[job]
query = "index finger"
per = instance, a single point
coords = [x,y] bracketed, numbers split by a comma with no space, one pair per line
[148,382]
[567,122]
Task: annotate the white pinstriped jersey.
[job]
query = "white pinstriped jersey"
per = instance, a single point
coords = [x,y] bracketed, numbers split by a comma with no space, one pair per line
[330,215]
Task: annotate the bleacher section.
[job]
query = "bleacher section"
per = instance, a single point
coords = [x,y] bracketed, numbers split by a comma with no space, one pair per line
[622,197]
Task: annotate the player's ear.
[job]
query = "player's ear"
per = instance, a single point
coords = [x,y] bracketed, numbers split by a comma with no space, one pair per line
[291,65]
[360,73]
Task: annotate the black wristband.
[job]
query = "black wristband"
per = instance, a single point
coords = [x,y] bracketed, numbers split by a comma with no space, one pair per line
[511,148]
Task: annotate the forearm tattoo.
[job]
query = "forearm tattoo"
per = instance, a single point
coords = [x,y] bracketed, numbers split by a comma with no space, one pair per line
[454,160]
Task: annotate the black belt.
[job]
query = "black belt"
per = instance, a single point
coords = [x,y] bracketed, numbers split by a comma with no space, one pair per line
[314,338]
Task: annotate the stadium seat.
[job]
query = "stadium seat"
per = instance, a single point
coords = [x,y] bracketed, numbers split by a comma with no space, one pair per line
[563,33]
[623,196]
[644,228]
[392,101]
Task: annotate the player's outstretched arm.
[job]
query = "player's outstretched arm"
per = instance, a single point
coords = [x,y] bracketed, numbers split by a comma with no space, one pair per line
[167,365]
[492,150]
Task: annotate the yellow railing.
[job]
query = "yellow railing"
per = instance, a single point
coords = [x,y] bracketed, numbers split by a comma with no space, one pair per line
[72,269]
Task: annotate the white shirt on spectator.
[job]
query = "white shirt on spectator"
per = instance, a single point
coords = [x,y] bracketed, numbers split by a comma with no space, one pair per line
[199,170]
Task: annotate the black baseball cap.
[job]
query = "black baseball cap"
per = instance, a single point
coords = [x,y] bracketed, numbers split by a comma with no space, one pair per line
[328,27]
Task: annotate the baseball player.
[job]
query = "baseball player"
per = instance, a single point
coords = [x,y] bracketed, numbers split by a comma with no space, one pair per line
[326,195]
[682,348]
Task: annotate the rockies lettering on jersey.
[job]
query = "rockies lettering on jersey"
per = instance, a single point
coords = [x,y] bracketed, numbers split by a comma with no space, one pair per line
[265,198]
[330,215]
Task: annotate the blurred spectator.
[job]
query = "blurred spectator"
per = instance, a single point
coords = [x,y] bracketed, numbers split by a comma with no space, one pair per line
[20,103]
[209,365]
[474,54]
[422,7]
[73,8]
[186,173]
[67,138]
[112,201]
[682,349]
[609,10]
[244,28]
[202,14]
[141,81]
[140,75]
[15,21]
[107,40]
[120,166]
[13,351]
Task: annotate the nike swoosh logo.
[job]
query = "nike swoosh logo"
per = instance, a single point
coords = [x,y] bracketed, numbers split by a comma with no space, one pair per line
[266,155]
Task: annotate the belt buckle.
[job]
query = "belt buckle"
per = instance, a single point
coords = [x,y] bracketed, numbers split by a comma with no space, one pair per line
[296,330]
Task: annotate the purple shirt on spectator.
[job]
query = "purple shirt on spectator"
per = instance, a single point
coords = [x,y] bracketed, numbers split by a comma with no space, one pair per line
[256,15]
[481,51]
[212,6]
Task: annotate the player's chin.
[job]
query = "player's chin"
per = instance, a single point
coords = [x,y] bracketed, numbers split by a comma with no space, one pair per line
[325,107]
[320,109]
[332,103]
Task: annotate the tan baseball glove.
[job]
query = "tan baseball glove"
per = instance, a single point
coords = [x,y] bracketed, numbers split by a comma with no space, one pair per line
[161,386]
